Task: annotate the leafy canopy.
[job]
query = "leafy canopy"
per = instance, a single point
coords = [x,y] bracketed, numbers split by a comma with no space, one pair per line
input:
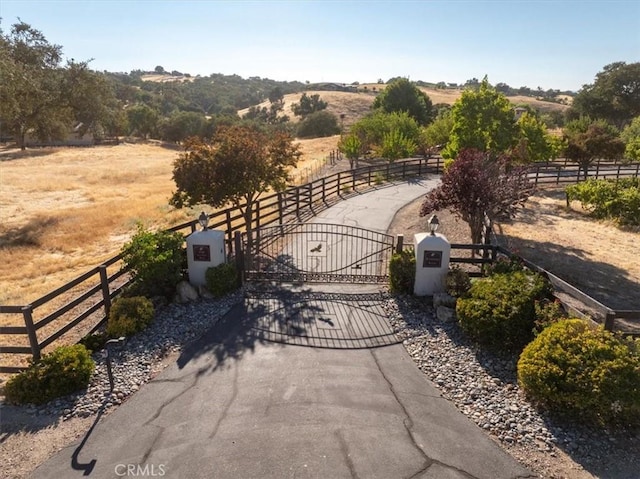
[40,96]
[614,96]
[475,184]
[308,105]
[631,137]
[401,95]
[588,140]
[371,129]
[237,166]
[484,120]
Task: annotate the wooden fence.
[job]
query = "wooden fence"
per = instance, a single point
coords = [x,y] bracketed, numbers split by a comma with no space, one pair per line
[295,204]
[91,305]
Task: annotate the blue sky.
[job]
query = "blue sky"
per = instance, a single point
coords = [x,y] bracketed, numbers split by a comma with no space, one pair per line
[547,44]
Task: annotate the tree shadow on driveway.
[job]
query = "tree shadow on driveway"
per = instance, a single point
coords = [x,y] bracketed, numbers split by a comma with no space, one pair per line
[300,317]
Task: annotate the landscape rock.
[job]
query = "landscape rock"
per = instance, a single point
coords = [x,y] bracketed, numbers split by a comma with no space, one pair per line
[186,293]
[445,314]
[444,299]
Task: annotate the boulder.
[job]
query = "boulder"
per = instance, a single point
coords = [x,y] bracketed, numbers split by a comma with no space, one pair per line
[446,315]
[444,299]
[185,292]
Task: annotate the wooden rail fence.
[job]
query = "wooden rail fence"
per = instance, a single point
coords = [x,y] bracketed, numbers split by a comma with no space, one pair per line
[295,204]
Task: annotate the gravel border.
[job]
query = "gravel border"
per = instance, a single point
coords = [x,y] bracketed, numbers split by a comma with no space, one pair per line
[480,385]
[485,389]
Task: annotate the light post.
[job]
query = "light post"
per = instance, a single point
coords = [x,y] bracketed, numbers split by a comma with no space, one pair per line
[433,224]
[203,219]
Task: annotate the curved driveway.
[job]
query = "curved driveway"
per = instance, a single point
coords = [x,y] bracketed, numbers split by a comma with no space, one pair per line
[241,404]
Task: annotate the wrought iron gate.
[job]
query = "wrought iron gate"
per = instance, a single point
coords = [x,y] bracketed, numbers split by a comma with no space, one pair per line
[317,252]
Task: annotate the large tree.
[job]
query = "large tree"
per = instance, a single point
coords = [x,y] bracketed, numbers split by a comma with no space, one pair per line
[403,96]
[588,140]
[30,85]
[40,96]
[534,143]
[477,183]
[237,166]
[614,96]
[484,120]
[308,105]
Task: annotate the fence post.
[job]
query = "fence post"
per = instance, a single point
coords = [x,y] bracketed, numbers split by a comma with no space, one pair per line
[237,241]
[298,202]
[609,320]
[420,166]
[27,313]
[106,295]
[618,175]
[257,210]
[229,229]
[324,189]
[537,173]
[193,227]
[399,243]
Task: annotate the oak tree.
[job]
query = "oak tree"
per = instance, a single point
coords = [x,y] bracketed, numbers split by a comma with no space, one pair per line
[588,140]
[401,95]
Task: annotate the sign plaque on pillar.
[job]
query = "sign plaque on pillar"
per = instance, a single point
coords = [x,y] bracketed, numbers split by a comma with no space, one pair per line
[201,252]
[432,259]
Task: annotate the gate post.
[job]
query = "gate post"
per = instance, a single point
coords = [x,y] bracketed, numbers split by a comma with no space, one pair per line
[399,243]
[237,240]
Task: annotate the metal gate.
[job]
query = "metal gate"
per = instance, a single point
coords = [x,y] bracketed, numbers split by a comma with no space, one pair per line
[317,252]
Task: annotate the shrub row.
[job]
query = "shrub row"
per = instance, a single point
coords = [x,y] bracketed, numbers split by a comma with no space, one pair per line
[615,199]
[567,366]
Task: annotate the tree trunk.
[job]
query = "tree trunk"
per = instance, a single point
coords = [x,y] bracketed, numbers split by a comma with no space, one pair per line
[476,222]
[21,140]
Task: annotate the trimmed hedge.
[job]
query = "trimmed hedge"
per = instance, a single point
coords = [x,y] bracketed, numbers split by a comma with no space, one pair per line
[584,372]
[66,370]
[402,272]
[222,279]
[499,311]
[129,316]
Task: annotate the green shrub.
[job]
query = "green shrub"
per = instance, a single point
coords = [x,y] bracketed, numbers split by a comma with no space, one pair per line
[318,124]
[504,265]
[378,178]
[94,342]
[547,313]
[582,371]
[66,370]
[499,311]
[222,279]
[457,281]
[156,261]
[129,316]
[402,272]
[614,199]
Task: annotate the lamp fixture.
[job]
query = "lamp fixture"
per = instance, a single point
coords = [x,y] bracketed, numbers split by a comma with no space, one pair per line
[203,219]
[433,224]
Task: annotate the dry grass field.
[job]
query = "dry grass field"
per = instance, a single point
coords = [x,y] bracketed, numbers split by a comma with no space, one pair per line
[356,105]
[64,210]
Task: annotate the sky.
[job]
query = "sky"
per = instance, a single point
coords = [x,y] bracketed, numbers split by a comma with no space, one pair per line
[547,44]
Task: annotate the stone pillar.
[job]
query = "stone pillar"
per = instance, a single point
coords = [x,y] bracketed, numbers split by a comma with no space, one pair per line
[205,249]
[432,263]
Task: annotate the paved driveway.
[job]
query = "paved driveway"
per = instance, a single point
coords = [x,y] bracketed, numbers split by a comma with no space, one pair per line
[305,384]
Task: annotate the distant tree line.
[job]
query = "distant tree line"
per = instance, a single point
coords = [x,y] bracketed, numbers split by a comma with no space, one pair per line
[43,97]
